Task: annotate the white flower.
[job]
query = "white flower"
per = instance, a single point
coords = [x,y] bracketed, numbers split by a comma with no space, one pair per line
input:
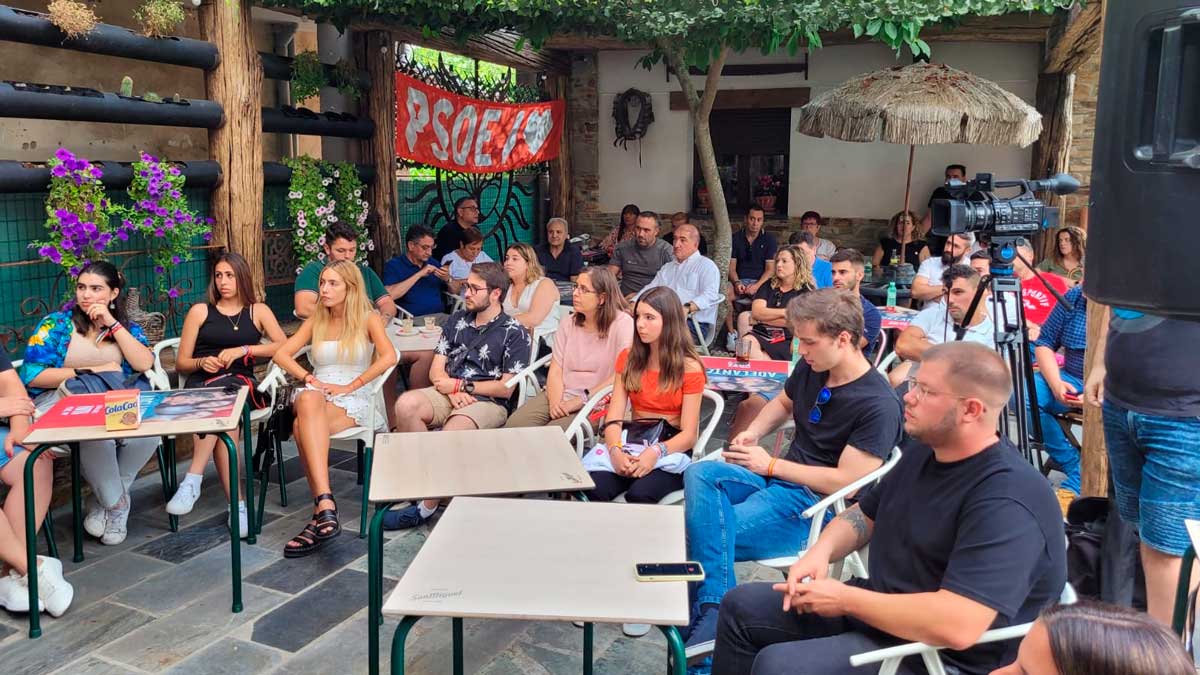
[299,270]
[337,174]
[370,245]
[358,193]
[326,182]
[321,240]
[295,195]
[321,196]
[320,210]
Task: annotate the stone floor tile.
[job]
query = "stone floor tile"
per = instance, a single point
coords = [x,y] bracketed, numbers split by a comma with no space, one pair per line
[293,575]
[71,637]
[194,538]
[190,580]
[189,629]
[398,552]
[95,666]
[229,657]
[111,575]
[311,614]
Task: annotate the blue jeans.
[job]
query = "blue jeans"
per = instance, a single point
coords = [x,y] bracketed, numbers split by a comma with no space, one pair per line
[733,514]
[1057,445]
[1155,464]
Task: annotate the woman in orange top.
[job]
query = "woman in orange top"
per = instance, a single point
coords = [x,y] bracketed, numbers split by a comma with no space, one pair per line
[661,378]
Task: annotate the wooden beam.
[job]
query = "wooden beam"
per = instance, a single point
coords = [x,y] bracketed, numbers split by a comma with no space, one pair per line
[577,43]
[499,47]
[1051,153]
[561,181]
[377,52]
[236,146]
[1012,28]
[1093,467]
[751,69]
[1074,37]
[783,97]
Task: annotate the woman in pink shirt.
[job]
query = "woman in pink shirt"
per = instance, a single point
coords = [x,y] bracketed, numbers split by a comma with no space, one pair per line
[585,351]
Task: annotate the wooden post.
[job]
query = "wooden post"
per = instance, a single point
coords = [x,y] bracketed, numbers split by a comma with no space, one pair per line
[236,146]
[377,49]
[1093,466]
[561,204]
[1051,153]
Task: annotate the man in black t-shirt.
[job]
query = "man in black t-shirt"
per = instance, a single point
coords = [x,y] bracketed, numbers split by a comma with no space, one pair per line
[749,506]
[751,266]
[965,536]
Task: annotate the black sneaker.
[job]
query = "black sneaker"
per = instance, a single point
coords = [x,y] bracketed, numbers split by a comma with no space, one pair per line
[404,519]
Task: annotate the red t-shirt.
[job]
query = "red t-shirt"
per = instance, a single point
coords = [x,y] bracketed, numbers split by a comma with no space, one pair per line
[653,400]
[1038,302]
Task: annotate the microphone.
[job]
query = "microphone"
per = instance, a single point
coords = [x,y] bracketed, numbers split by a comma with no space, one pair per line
[1059,184]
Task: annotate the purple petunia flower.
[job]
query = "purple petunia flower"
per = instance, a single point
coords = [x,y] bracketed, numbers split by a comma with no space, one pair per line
[59,171]
[208,236]
[175,260]
[63,154]
[173,293]
[160,233]
[159,269]
[148,222]
[123,235]
[74,271]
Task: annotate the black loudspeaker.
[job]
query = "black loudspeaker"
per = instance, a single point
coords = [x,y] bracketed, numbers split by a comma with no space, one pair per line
[1144,232]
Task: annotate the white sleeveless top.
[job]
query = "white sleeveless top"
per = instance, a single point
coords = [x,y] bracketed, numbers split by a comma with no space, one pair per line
[332,368]
[523,303]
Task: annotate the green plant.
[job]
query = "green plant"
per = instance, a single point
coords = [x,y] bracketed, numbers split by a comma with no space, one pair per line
[319,195]
[77,214]
[159,18]
[127,86]
[151,97]
[308,76]
[345,78]
[351,206]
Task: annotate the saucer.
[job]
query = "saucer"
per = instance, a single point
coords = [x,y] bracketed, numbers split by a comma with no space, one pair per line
[407,333]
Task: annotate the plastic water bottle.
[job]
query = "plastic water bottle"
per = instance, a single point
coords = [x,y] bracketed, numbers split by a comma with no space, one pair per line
[868,272]
[891,294]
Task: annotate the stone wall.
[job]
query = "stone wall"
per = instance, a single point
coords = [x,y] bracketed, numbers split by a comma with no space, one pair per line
[584,118]
[1083,130]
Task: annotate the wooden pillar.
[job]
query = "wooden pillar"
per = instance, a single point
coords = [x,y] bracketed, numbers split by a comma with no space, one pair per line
[236,146]
[377,50]
[1052,151]
[1093,467]
[561,203]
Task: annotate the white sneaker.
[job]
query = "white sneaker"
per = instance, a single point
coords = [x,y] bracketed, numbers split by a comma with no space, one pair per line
[54,592]
[243,521]
[116,523]
[93,524]
[635,629]
[14,593]
[185,498]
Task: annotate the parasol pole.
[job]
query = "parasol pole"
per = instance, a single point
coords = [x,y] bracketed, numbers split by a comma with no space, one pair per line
[907,190]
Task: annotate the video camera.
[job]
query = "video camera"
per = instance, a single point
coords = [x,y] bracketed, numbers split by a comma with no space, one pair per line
[974,207]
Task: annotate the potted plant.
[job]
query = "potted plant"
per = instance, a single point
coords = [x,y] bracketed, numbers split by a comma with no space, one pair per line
[766,191]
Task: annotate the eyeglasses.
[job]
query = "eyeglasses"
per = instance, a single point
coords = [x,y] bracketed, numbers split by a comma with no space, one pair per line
[476,289]
[576,288]
[469,208]
[920,391]
[823,396]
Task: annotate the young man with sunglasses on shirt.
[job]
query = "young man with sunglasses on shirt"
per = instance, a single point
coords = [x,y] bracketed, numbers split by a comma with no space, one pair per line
[847,419]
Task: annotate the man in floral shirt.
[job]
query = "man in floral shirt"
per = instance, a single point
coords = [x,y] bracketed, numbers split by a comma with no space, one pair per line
[480,350]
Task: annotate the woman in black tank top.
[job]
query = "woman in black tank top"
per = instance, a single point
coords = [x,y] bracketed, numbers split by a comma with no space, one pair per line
[220,338]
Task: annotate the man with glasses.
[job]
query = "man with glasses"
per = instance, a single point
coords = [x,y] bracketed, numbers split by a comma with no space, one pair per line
[416,283]
[965,536]
[847,421]
[449,238]
[480,350]
[938,321]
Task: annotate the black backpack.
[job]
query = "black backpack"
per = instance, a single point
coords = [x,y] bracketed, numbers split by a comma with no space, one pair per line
[1102,554]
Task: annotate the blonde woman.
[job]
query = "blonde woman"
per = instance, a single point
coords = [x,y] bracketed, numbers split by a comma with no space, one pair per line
[349,349]
[771,332]
[531,294]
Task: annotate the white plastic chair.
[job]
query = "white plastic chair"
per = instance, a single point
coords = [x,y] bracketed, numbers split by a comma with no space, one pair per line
[539,333]
[580,434]
[705,340]
[526,381]
[455,302]
[890,658]
[816,515]
[882,348]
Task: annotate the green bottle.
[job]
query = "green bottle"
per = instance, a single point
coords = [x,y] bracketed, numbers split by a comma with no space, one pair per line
[891,295]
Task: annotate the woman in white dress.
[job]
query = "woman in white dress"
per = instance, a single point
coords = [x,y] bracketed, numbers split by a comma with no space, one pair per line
[531,294]
[349,349]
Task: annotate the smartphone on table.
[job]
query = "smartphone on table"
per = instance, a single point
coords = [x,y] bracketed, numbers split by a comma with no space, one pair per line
[682,571]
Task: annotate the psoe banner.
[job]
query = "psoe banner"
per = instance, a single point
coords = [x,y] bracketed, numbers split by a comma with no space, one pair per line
[434,126]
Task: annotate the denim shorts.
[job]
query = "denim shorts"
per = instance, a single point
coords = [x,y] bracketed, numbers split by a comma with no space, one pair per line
[1155,464]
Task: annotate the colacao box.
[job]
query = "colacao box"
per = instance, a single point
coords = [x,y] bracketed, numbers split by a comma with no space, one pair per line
[122,410]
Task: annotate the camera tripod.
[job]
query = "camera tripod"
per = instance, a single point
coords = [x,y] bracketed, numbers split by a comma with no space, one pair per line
[1012,343]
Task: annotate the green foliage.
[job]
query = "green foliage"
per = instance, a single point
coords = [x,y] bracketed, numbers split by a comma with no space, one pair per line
[151,97]
[308,76]
[159,18]
[127,86]
[320,194]
[345,78]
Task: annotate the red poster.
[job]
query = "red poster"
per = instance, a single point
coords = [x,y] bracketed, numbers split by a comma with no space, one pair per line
[763,376]
[436,127]
[80,410]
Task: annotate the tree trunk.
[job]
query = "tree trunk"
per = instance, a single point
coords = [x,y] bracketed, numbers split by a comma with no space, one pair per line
[377,49]
[1093,462]
[699,108]
[1051,154]
[236,146]
[560,168]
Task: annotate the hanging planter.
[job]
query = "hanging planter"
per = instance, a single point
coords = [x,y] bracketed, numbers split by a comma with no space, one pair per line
[308,76]
[319,195]
[77,214]
[72,17]
[159,18]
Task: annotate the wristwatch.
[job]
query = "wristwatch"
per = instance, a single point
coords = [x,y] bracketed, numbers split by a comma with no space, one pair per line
[468,387]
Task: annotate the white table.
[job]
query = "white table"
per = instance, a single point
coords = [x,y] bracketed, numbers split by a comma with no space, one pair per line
[431,464]
[43,438]
[421,341]
[544,560]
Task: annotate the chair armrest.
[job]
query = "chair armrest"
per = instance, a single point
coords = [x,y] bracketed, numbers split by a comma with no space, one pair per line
[855,485]
[575,432]
[529,371]
[914,648]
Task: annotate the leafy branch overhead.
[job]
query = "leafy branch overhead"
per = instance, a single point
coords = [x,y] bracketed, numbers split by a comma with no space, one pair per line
[700,28]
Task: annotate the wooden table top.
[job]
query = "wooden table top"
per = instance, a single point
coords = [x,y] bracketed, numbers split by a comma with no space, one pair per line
[546,560]
[150,427]
[429,464]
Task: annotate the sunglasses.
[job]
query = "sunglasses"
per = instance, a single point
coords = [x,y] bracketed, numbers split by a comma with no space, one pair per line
[823,396]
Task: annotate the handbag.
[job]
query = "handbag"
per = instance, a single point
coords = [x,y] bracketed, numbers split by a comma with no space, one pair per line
[636,436]
[257,399]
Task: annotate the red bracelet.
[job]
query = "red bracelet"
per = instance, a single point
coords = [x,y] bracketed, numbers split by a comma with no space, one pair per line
[457,384]
[115,328]
[771,467]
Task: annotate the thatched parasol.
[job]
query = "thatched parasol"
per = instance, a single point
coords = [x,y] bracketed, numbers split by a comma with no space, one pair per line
[921,104]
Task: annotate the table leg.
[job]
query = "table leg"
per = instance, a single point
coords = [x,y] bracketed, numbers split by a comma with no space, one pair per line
[76,502]
[677,661]
[170,483]
[1179,616]
[235,535]
[252,523]
[375,585]
[457,629]
[398,639]
[588,632]
[35,623]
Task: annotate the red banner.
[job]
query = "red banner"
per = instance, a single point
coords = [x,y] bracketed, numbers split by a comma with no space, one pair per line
[436,127]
